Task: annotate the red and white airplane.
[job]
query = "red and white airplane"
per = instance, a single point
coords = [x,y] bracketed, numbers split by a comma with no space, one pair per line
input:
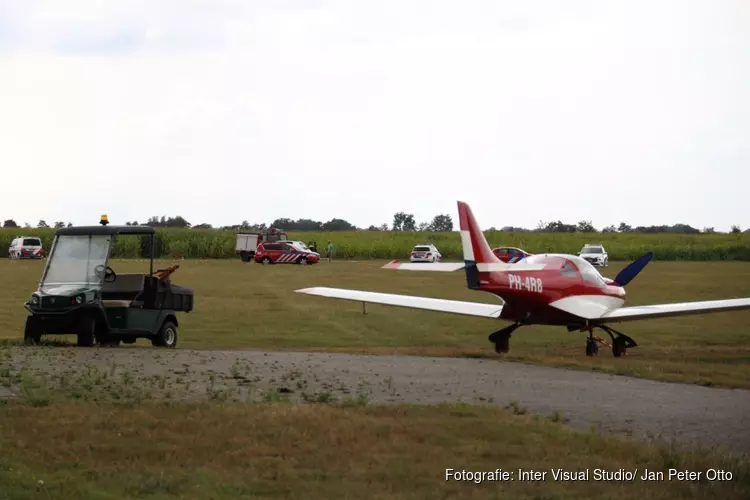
[542,289]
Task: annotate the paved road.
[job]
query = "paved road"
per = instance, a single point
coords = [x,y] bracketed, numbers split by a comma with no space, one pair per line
[637,407]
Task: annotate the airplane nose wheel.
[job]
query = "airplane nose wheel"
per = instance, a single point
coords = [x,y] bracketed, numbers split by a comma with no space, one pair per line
[592,346]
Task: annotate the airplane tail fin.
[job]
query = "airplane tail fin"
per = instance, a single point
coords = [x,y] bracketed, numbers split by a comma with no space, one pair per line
[475,246]
[477,251]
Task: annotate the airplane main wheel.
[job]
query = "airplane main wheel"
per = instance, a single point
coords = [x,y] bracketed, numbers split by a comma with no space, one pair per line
[502,344]
[618,347]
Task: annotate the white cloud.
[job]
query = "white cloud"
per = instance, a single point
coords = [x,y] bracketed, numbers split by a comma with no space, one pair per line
[587,110]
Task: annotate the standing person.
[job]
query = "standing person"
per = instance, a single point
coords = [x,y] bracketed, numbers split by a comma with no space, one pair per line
[330,251]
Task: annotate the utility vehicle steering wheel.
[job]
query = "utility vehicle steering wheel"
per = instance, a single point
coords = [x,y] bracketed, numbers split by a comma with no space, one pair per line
[109,273]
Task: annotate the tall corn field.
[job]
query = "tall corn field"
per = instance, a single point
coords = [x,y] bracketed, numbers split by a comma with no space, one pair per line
[215,244]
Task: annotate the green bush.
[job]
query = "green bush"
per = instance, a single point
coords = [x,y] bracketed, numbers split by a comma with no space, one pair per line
[215,244]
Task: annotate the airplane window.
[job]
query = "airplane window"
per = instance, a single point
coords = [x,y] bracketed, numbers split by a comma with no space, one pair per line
[589,272]
[568,270]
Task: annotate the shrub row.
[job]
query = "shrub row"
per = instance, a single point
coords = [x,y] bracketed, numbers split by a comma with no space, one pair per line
[214,244]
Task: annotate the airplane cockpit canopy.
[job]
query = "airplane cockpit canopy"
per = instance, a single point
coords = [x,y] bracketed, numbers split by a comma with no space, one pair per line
[588,271]
[570,265]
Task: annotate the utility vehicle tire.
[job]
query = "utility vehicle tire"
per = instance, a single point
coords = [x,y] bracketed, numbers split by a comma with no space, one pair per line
[86,331]
[302,261]
[167,336]
[265,260]
[31,334]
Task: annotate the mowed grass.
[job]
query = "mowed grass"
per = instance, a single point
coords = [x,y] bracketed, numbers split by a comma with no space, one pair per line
[218,451]
[249,306]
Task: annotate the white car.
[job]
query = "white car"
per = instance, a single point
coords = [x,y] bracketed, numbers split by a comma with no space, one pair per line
[25,247]
[300,245]
[425,253]
[595,254]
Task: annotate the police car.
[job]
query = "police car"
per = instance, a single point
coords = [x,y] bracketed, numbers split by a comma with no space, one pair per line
[25,247]
[285,252]
[425,253]
[595,254]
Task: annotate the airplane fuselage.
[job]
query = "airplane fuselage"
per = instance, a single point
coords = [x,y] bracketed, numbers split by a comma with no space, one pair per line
[551,279]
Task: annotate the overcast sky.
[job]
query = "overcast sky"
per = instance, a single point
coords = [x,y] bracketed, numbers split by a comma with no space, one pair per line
[220,111]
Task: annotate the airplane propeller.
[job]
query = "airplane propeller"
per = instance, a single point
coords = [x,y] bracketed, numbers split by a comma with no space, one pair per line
[631,271]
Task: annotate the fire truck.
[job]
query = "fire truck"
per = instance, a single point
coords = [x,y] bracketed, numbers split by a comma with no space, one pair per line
[248,242]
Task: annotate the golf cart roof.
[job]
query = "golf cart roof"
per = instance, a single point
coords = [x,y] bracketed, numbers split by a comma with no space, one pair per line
[104,230]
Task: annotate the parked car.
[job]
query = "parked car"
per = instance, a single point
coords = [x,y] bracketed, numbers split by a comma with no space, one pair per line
[425,253]
[25,247]
[510,255]
[595,254]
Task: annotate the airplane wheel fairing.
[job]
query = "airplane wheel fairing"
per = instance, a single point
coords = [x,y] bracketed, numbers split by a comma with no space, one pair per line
[618,347]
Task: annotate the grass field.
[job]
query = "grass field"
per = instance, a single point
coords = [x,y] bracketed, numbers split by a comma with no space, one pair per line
[199,243]
[122,443]
[227,451]
[248,306]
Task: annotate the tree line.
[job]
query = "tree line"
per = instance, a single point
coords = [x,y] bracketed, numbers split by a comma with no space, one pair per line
[402,221]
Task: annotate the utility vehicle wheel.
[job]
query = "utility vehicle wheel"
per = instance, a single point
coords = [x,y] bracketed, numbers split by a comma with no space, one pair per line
[31,335]
[87,331]
[109,341]
[265,260]
[302,261]
[167,336]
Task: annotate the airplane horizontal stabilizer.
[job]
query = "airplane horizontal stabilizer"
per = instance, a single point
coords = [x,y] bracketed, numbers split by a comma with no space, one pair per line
[426,303]
[427,266]
[676,309]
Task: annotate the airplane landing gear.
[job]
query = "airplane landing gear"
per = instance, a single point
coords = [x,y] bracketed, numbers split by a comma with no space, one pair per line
[592,346]
[620,342]
[501,338]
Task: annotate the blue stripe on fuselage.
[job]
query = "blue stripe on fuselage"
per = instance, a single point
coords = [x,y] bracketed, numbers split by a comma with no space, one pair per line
[472,274]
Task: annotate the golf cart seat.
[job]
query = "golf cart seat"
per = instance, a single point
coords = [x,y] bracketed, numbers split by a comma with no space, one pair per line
[123,290]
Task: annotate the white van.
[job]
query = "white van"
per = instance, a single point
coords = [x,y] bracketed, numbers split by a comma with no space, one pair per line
[25,247]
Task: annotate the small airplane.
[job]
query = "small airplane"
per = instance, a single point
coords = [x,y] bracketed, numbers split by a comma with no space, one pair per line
[542,289]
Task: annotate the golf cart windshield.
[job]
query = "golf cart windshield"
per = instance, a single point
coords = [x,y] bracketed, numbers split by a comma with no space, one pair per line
[591,250]
[75,258]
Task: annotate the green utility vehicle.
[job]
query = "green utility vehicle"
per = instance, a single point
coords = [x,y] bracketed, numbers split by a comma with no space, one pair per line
[80,294]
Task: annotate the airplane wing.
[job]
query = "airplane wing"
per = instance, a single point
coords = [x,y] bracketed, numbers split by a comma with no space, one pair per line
[390,299]
[667,310]
[427,266]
